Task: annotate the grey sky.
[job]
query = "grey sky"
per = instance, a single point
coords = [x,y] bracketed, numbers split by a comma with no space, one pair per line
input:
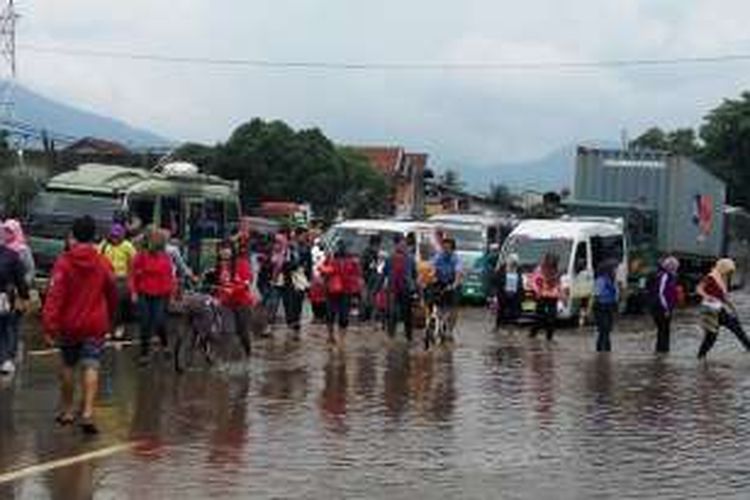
[478,118]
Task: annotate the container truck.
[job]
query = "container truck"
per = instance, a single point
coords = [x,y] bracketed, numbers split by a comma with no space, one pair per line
[670,205]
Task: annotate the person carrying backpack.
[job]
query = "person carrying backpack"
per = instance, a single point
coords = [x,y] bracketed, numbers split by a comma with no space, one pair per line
[400,284]
[663,299]
[78,311]
[15,240]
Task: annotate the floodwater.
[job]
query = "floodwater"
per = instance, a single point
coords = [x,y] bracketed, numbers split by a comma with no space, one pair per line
[497,416]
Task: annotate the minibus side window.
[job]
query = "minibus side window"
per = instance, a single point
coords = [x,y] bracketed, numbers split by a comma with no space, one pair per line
[214,218]
[171,217]
[581,258]
[143,209]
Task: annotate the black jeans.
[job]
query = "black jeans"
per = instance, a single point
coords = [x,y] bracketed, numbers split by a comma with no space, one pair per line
[399,307]
[338,308]
[604,317]
[663,321]
[508,308]
[293,300]
[546,317]
[153,317]
[731,323]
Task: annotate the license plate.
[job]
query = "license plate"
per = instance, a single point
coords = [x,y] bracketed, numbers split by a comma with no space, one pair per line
[528,306]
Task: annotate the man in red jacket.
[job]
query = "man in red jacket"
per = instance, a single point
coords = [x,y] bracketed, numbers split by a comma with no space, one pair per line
[78,311]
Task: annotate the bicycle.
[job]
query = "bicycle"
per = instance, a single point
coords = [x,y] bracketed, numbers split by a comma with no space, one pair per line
[440,323]
[203,319]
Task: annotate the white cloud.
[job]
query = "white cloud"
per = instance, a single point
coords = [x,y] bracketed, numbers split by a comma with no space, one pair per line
[478,117]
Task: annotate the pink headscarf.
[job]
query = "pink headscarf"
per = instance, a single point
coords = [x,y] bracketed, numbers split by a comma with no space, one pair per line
[14,237]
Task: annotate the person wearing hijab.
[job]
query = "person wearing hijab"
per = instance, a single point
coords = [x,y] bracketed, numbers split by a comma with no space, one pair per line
[15,240]
[717,309]
[547,291]
[664,301]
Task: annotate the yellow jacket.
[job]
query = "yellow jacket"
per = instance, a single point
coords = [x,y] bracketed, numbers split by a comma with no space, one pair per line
[120,256]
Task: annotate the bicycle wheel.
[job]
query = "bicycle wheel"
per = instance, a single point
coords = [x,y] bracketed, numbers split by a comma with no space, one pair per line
[430,331]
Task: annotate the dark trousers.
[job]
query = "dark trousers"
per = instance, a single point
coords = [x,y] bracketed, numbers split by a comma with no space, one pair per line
[508,308]
[604,317]
[6,339]
[731,323]
[546,317]
[399,308]
[663,321]
[338,308]
[123,314]
[153,317]
[241,318]
[367,308]
[293,300]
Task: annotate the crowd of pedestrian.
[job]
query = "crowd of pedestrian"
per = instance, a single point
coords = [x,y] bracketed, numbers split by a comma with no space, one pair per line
[99,288]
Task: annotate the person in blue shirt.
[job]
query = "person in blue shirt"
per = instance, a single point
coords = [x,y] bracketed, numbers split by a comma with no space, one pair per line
[606,297]
[448,276]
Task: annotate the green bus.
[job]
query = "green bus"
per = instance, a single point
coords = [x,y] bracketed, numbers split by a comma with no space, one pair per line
[178,197]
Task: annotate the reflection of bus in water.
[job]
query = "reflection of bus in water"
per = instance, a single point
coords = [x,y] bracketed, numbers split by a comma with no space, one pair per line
[179,198]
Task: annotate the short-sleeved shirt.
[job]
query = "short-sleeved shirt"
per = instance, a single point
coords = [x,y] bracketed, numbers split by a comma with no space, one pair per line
[120,256]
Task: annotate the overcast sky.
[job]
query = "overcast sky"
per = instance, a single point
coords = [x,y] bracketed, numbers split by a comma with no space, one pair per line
[469,117]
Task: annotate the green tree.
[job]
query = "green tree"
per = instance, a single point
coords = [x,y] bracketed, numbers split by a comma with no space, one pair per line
[653,139]
[501,195]
[451,179]
[681,141]
[274,162]
[726,137]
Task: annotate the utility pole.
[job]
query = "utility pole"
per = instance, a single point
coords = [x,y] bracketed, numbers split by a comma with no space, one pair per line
[8,19]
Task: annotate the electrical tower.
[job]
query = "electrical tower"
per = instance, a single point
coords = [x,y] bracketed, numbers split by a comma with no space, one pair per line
[8,19]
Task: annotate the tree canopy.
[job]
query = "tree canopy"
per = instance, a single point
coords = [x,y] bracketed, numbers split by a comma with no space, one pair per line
[274,162]
[722,145]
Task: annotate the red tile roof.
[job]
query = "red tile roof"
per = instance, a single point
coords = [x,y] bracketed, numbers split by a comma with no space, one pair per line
[387,159]
[92,145]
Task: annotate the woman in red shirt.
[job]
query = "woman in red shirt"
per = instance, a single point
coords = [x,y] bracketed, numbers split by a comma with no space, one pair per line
[547,293]
[343,279]
[716,308]
[152,282]
[233,278]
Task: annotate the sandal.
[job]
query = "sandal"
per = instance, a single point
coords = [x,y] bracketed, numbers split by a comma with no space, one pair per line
[64,420]
[88,427]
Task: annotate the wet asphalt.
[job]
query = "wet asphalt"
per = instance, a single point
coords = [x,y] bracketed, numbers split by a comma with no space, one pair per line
[497,415]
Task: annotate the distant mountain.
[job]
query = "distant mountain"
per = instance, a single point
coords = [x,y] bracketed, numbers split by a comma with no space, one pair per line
[551,172]
[36,112]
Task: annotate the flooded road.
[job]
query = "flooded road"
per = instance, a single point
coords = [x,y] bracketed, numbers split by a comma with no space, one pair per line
[497,416]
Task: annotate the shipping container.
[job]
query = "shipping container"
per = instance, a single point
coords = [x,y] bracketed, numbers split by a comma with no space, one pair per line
[688,200]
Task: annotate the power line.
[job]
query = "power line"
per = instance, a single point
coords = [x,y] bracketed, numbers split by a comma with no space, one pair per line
[385,66]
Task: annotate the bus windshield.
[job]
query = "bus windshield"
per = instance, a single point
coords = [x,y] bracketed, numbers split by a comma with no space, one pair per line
[468,239]
[530,250]
[52,212]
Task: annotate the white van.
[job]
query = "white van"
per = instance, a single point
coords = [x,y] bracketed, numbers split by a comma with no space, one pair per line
[356,233]
[582,244]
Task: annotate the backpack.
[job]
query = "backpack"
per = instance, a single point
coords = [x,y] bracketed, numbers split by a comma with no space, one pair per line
[400,273]
[445,268]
